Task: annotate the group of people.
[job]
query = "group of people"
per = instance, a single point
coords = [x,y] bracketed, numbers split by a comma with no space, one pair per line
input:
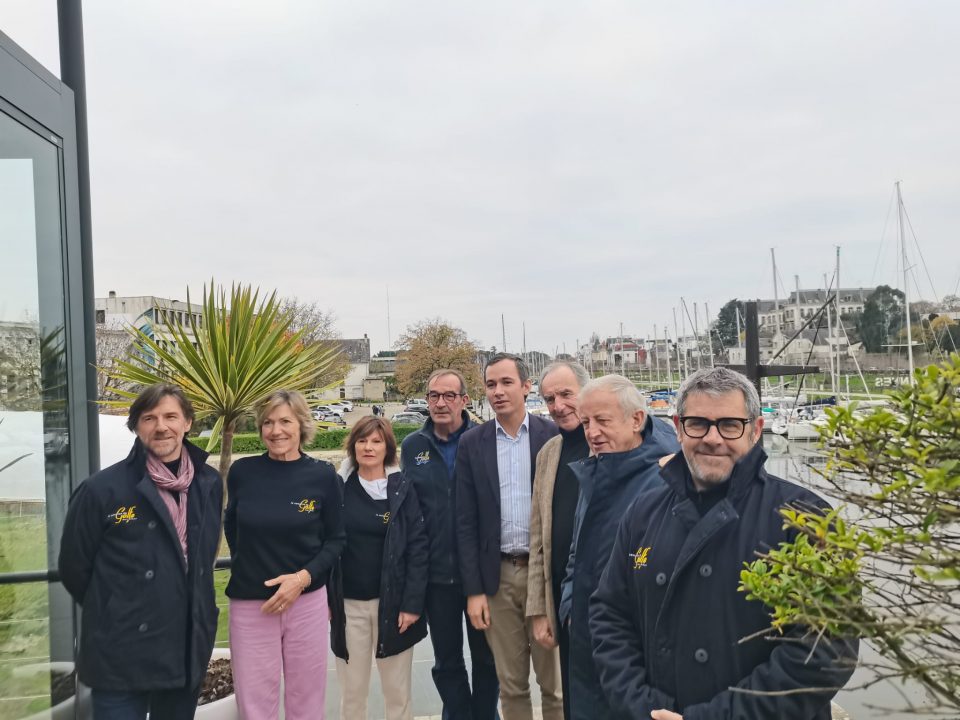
[603,549]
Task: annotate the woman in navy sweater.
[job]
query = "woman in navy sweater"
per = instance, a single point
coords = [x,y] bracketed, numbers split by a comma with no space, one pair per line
[377,590]
[284,526]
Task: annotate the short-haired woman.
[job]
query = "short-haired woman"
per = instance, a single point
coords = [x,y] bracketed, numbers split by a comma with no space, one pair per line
[284,526]
[377,590]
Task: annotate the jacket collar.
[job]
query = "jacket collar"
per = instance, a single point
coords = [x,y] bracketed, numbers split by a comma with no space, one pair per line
[396,481]
[620,466]
[746,471]
[348,466]
[137,457]
[428,432]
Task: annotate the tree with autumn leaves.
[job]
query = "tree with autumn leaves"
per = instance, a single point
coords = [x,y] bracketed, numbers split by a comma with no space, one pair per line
[430,345]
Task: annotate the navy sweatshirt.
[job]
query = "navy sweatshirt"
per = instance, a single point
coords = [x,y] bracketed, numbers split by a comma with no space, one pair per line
[281,517]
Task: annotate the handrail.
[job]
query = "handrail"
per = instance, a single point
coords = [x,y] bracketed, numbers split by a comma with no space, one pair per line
[52,576]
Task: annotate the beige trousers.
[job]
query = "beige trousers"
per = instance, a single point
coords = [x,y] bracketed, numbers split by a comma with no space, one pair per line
[510,637]
[354,676]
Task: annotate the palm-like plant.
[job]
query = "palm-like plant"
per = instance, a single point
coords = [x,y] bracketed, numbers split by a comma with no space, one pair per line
[243,351]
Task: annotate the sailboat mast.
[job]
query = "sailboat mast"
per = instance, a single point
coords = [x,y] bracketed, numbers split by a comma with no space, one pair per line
[906,283]
[666,347]
[706,314]
[826,290]
[680,366]
[839,321]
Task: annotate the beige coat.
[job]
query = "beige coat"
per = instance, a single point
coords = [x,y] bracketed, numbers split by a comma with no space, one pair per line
[540,600]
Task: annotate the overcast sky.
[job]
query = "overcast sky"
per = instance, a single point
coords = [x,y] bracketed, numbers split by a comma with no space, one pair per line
[570,165]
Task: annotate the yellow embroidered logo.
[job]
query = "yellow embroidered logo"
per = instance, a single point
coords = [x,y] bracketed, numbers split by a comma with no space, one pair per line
[306,506]
[422,458]
[385,516]
[124,515]
[640,557]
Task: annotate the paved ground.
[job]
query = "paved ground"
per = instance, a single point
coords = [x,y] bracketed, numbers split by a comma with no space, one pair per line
[426,701]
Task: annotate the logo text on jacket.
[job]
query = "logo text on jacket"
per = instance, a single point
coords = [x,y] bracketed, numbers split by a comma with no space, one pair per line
[640,557]
[306,506]
[123,515]
[422,458]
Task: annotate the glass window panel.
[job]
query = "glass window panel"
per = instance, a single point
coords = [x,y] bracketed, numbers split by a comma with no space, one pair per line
[34,435]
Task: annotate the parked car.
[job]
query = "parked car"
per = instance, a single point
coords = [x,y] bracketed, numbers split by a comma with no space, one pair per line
[409,418]
[417,401]
[330,409]
[345,405]
[331,417]
[421,409]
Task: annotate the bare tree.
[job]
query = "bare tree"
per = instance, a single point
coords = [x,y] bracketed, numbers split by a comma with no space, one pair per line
[113,344]
[319,328]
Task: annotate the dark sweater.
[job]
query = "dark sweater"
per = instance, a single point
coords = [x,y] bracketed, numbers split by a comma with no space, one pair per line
[366,522]
[566,490]
[281,517]
[704,500]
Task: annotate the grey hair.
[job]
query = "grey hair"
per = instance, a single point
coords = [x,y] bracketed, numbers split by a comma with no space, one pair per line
[578,370]
[631,400]
[718,381]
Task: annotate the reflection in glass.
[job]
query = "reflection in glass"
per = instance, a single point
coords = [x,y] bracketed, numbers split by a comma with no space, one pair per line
[34,436]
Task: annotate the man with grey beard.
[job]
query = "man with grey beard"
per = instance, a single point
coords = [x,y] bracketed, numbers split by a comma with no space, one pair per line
[673,638]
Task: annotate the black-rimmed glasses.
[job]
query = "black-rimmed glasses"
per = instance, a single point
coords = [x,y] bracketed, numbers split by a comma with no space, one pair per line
[729,428]
[449,396]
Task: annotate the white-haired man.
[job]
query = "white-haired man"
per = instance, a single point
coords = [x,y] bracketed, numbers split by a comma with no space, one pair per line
[626,445]
[673,638]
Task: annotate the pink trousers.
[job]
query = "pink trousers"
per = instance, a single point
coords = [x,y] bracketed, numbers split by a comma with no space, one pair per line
[293,643]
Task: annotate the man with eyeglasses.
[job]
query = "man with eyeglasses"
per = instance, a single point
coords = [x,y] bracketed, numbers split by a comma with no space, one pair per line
[427,457]
[673,638]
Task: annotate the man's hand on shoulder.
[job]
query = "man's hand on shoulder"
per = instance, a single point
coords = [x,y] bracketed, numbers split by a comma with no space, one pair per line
[478,611]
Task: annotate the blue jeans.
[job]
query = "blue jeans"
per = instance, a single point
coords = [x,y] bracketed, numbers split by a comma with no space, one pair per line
[180,704]
[446,608]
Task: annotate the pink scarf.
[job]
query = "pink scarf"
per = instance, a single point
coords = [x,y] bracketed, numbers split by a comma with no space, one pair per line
[179,484]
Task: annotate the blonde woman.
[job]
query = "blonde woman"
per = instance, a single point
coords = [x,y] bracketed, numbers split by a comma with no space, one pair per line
[284,526]
[377,590]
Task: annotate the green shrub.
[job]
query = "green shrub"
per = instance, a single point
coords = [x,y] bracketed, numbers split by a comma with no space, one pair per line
[251,444]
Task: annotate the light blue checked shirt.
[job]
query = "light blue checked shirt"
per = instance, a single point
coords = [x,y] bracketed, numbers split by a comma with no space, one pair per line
[516,484]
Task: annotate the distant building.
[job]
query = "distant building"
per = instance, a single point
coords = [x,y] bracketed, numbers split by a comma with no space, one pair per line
[147,313]
[358,384]
[357,351]
[798,307]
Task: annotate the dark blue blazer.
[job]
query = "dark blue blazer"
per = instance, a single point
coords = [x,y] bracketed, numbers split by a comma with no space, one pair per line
[478,502]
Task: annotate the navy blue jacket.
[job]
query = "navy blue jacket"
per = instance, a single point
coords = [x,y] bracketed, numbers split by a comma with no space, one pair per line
[668,624]
[148,621]
[403,578]
[478,502]
[608,485]
[423,464]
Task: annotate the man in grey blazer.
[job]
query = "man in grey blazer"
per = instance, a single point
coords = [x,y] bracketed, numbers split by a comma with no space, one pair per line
[555,493]
[496,464]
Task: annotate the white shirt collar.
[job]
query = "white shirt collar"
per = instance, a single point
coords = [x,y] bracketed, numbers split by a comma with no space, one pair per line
[524,425]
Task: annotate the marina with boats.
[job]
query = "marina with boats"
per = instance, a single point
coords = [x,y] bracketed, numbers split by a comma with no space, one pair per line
[781,347]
